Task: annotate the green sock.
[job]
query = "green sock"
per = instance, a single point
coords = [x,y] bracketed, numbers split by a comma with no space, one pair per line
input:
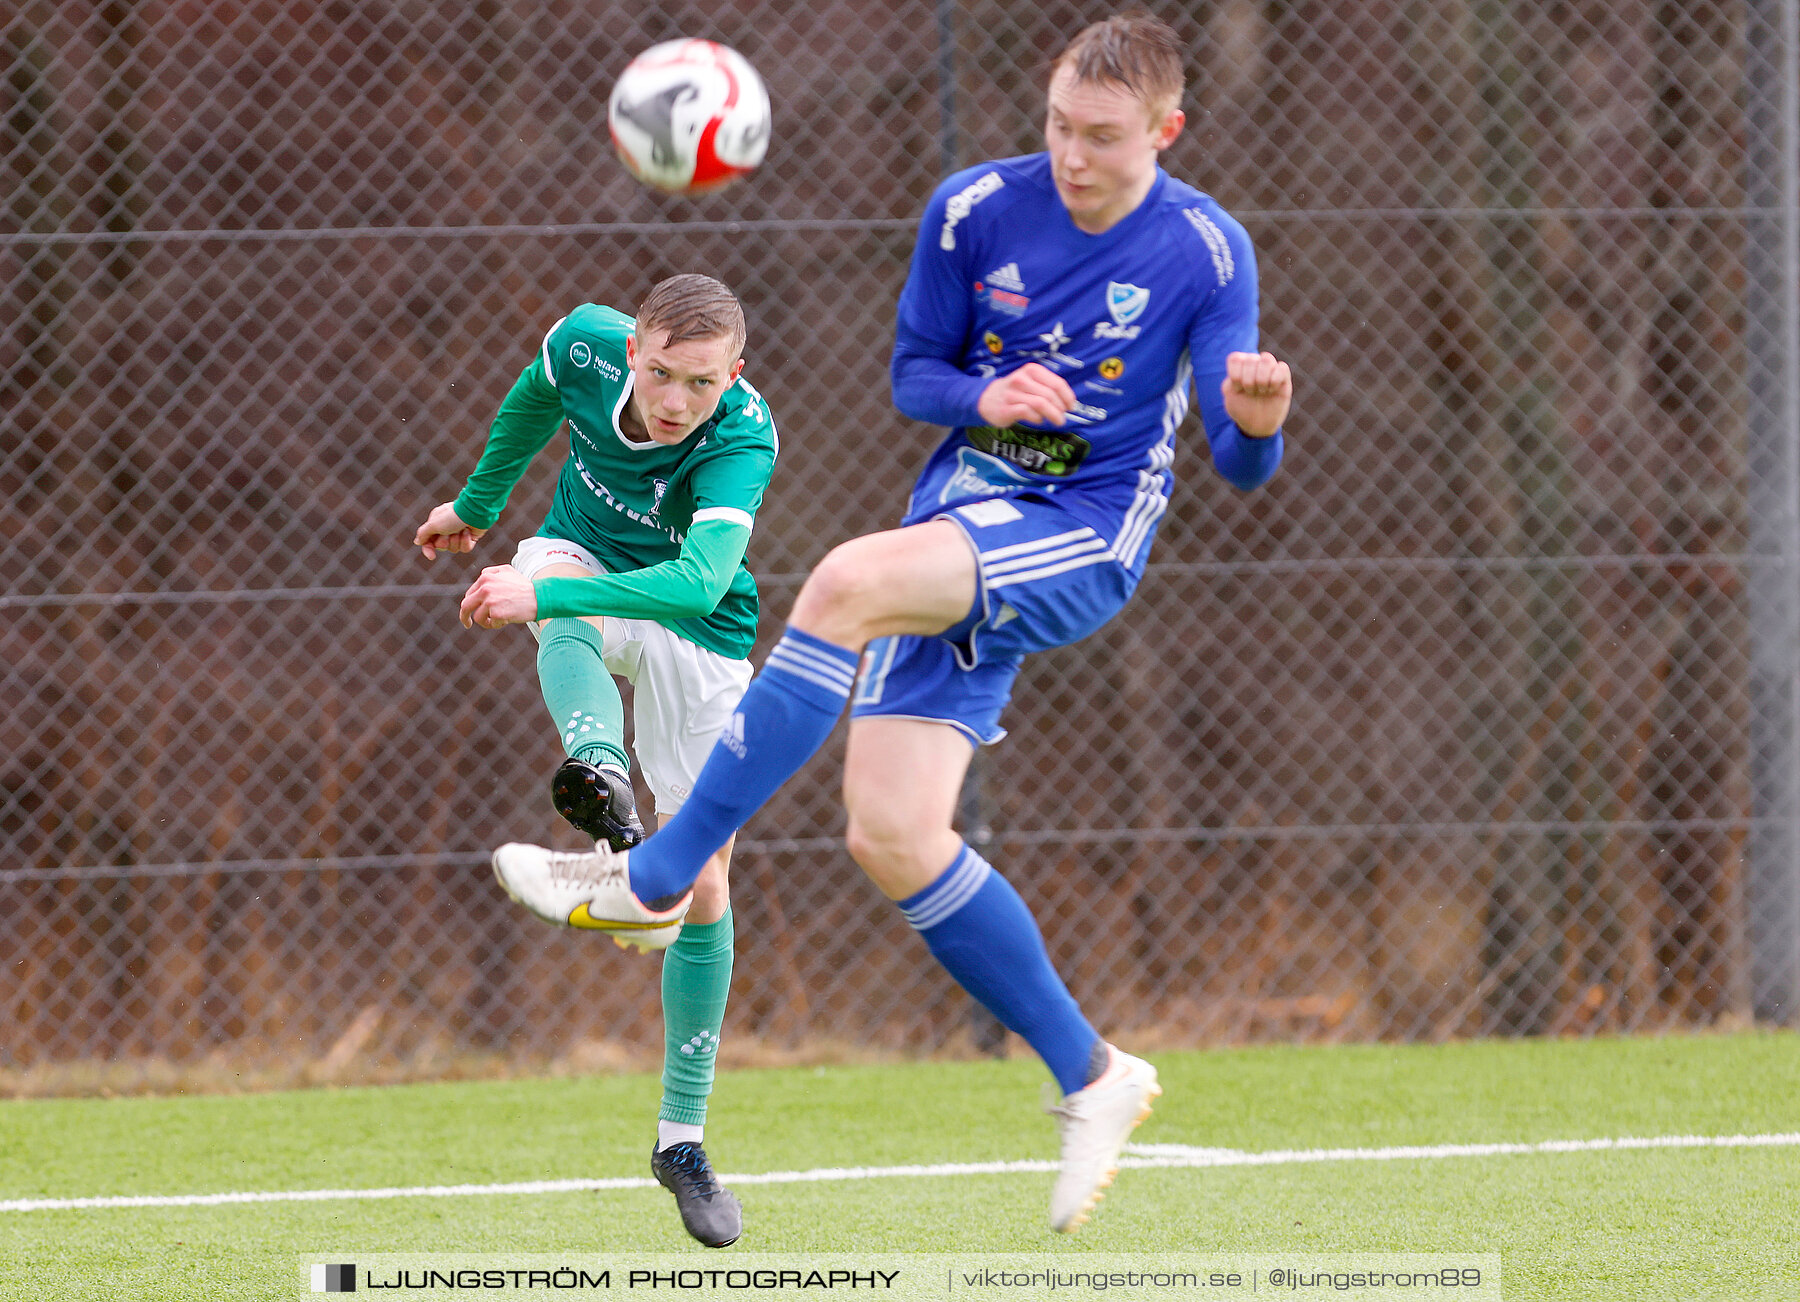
[696,980]
[582,696]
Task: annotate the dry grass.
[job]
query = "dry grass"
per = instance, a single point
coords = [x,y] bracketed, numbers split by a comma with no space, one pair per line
[248,1069]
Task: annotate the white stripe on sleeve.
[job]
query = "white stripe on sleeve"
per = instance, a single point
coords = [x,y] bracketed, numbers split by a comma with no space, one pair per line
[729,514]
[544,349]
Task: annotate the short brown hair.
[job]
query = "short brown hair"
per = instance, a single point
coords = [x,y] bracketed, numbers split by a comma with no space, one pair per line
[692,307]
[1136,50]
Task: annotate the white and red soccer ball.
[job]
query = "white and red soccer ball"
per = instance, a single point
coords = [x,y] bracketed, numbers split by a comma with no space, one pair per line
[689,116]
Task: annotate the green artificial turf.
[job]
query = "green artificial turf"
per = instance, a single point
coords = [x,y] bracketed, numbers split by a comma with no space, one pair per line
[1668,1223]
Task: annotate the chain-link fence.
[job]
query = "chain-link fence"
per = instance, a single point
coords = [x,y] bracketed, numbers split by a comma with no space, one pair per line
[1479,719]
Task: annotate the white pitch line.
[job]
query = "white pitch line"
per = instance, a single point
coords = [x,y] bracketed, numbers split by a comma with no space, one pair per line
[1147,1155]
[1142,1156]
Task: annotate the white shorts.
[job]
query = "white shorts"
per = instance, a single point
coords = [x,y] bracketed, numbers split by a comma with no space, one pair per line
[684,694]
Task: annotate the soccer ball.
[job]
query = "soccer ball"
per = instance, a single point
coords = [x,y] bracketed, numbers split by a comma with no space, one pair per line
[689,116]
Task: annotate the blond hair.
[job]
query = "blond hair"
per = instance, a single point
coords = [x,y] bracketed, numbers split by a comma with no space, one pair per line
[1135,50]
[692,306]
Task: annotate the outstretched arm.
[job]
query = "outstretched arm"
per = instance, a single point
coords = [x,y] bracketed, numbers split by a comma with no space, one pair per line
[689,586]
[527,420]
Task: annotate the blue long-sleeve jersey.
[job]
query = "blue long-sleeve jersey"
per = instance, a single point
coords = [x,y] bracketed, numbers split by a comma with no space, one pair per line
[1134,319]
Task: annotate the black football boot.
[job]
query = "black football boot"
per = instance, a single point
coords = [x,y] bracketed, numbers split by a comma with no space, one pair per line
[598,801]
[710,1211]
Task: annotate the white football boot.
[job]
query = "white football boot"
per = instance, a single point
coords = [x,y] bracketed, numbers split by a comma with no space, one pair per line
[590,891]
[1096,1121]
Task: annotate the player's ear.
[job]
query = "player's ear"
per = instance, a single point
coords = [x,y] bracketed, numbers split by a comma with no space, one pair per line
[630,350]
[1170,128]
[737,369]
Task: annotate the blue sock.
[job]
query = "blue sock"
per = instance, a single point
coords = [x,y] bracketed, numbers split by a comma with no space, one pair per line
[785,717]
[977,926]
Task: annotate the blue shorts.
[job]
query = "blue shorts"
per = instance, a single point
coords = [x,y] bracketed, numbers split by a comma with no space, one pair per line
[1043,579]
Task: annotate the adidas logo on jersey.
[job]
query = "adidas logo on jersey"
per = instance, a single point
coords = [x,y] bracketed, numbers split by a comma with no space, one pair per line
[1003,289]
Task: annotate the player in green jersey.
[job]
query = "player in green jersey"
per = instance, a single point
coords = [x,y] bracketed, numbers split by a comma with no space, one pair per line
[639,571]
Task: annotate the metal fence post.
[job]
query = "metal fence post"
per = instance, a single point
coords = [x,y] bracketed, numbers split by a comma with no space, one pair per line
[984,1028]
[947,133]
[1772,266]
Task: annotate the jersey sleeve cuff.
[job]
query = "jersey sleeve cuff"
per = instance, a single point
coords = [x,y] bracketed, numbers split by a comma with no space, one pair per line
[729,514]
[473,514]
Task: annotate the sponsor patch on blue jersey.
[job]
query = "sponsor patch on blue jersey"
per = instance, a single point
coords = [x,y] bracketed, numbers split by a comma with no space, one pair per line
[979,475]
[1003,290]
[1005,301]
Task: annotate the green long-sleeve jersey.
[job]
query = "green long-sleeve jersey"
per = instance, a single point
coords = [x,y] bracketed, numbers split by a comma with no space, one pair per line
[670,523]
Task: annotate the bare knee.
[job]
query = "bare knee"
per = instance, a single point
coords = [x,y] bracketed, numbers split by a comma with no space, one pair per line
[899,856]
[901,778]
[870,842]
[920,579]
[833,600]
[712,893]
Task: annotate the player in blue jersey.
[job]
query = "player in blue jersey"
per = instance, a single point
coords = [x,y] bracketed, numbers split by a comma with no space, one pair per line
[1058,311]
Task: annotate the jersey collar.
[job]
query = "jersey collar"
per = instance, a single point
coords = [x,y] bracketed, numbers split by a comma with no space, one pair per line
[618,409]
[650,444]
[1126,224]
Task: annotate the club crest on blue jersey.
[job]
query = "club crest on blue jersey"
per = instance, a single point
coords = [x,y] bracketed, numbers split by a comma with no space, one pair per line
[1126,302]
